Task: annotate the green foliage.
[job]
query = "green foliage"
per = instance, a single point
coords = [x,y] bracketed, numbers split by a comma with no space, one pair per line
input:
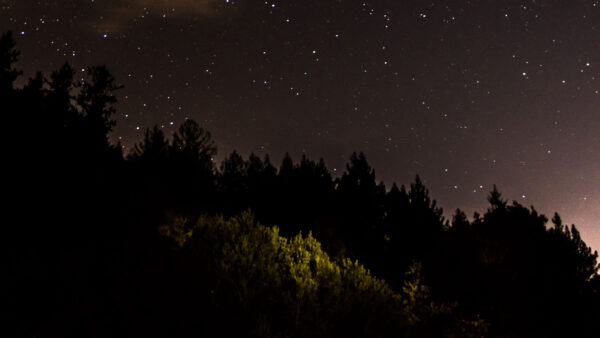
[291,287]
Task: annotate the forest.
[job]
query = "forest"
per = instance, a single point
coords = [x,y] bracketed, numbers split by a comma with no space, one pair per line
[164,242]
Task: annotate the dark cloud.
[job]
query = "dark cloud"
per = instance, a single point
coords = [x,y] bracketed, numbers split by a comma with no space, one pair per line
[117,14]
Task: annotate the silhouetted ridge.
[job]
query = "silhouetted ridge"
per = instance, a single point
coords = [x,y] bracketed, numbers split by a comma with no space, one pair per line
[154,245]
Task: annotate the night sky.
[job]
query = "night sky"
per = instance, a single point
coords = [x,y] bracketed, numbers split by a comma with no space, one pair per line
[466,94]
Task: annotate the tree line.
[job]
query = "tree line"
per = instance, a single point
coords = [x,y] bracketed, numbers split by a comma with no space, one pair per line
[161,242]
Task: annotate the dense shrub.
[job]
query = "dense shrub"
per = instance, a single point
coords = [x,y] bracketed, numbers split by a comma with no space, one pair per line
[291,287]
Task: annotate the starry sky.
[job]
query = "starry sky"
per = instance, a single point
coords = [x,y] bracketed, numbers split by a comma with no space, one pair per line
[466,94]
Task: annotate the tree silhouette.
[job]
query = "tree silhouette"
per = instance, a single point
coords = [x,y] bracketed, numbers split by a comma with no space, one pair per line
[59,101]
[459,220]
[303,191]
[96,100]
[192,171]
[361,202]
[523,277]
[154,148]
[194,145]
[233,183]
[8,56]
[496,201]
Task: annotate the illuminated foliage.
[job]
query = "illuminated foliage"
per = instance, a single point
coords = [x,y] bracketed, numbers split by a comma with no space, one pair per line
[291,287]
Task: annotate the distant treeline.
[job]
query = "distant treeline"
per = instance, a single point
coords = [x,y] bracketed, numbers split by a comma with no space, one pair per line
[164,242]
